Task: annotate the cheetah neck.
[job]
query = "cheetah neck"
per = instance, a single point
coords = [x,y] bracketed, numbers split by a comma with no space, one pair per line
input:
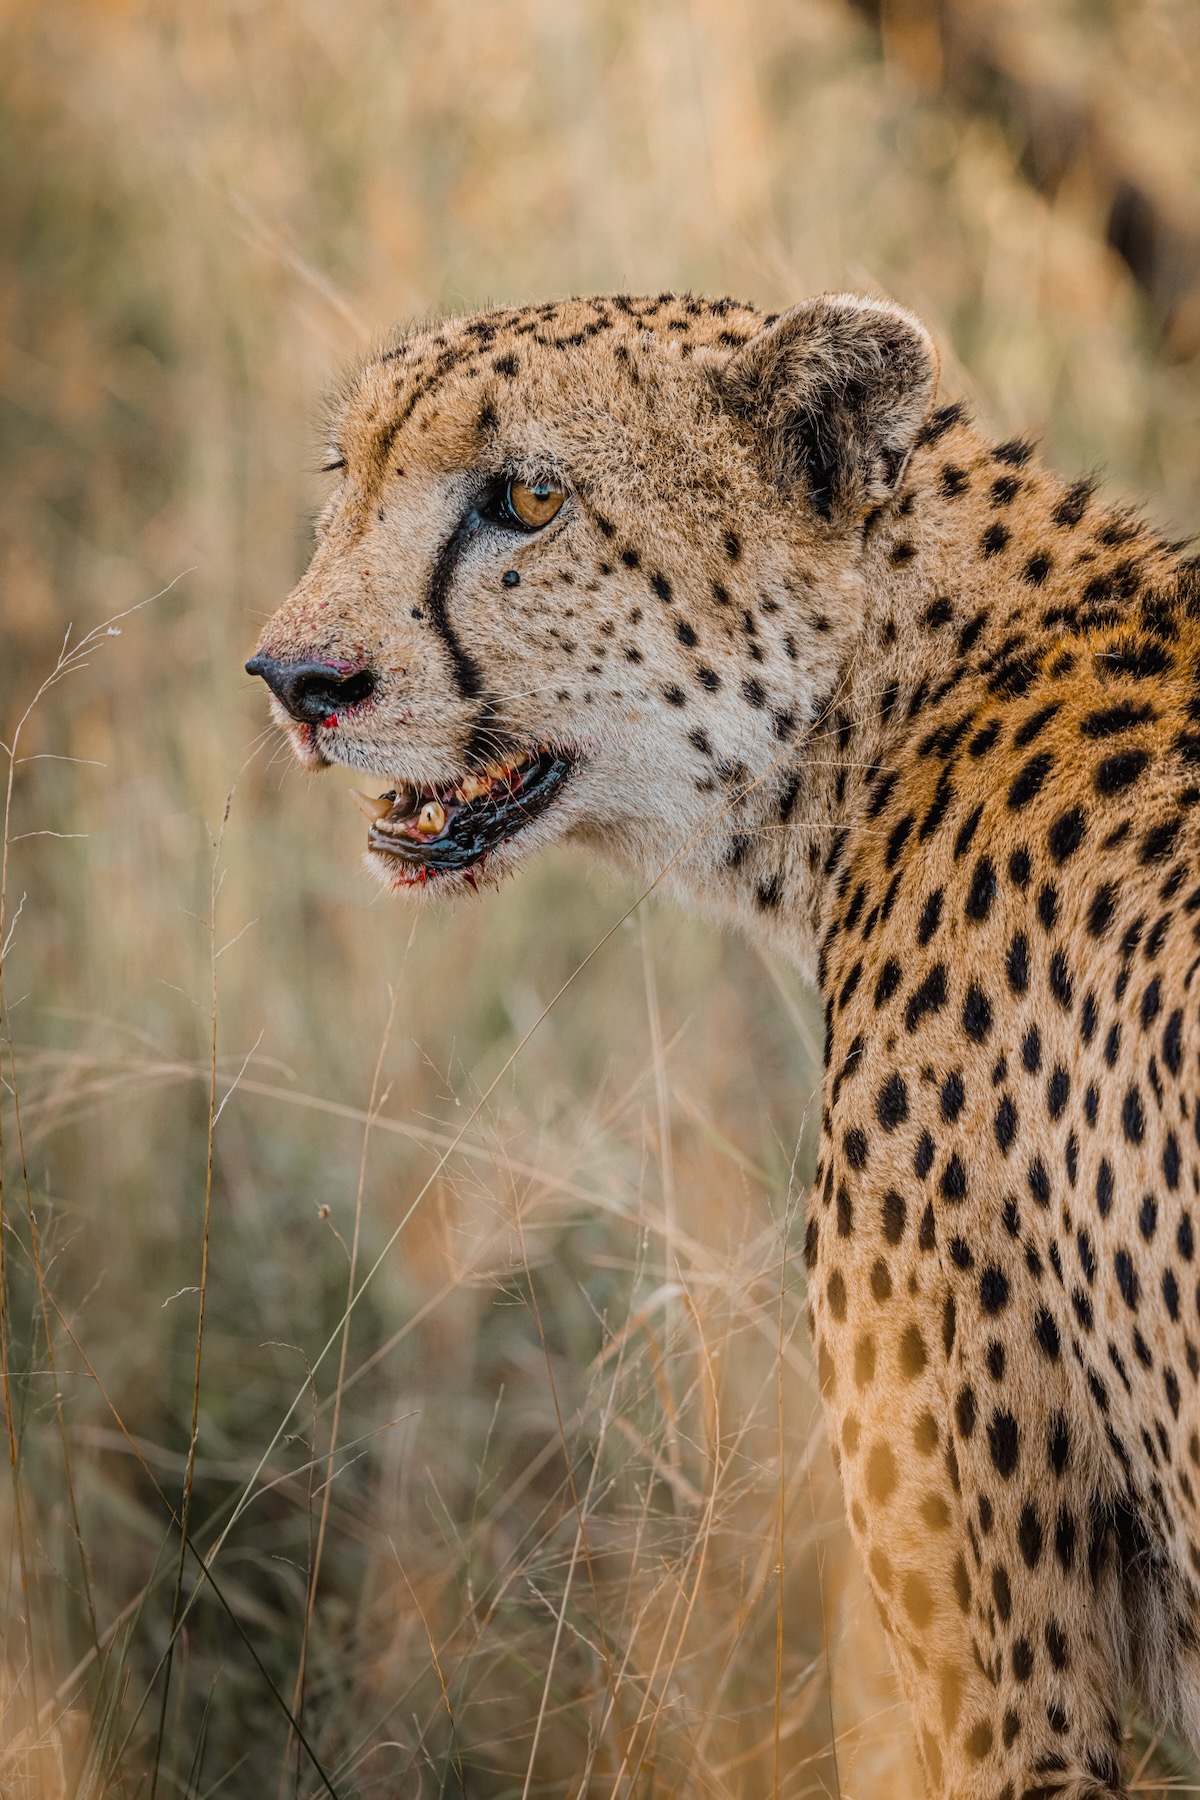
[981,582]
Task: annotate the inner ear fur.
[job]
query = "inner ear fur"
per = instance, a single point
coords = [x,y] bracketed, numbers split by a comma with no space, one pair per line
[834,393]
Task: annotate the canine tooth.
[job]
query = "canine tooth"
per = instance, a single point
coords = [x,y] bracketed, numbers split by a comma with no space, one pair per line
[370,807]
[471,787]
[432,818]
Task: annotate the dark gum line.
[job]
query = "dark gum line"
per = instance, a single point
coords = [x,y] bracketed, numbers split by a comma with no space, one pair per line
[478,826]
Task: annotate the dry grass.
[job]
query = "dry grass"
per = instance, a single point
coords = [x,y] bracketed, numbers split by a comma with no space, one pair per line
[546,1509]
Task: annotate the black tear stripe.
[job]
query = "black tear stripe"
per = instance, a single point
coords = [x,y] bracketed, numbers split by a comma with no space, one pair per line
[485,740]
[467,678]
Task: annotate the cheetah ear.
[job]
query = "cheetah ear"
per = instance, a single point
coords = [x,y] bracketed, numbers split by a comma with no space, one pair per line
[835,392]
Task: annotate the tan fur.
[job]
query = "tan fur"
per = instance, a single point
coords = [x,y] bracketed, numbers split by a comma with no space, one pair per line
[893,698]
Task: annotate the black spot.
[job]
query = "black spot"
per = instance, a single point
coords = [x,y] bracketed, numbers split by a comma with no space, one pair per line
[938,806]
[1034,725]
[953,1183]
[1087,1256]
[506,365]
[929,997]
[982,890]
[1127,1279]
[1151,1004]
[938,612]
[1060,981]
[994,539]
[1159,841]
[1089,1017]
[894,1216]
[1018,867]
[1067,833]
[1116,773]
[1013,451]
[1047,905]
[966,831]
[1003,1443]
[1135,657]
[1002,1595]
[1005,1124]
[931,916]
[898,838]
[1045,1332]
[952,1097]
[1133,1116]
[855,1147]
[1037,569]
[1111,720]
[952,480]
[1058,1089]
[1073,504]
[662,588]
[685,633]
[940,422]
[965,1412]
[1017,964]
[891,1103]
[1029,782]
[1102,909]
[889,981]
[977,1014]
[993,1289]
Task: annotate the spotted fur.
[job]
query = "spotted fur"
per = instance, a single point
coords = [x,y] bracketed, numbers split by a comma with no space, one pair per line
[891,696]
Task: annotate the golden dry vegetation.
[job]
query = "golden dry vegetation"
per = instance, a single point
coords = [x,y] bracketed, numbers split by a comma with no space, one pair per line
[549,1510]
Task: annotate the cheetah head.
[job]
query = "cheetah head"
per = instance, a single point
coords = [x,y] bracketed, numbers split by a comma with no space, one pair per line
[586,568]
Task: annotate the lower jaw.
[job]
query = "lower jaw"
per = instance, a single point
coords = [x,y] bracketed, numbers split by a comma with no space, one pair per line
[471,835]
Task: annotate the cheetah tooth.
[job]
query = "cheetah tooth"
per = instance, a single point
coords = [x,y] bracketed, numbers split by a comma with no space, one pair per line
[370,807]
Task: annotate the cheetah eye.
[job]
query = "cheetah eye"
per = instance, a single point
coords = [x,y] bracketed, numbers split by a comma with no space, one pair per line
[529,508]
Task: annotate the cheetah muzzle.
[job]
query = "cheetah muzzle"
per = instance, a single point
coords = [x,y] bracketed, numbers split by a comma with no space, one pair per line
[729,600]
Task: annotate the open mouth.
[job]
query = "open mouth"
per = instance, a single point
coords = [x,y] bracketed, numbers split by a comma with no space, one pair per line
[456,827]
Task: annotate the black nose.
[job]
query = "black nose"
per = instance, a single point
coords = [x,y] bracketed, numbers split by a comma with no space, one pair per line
[313,691]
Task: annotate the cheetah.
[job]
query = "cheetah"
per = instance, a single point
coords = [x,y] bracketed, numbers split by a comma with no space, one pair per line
[731,599]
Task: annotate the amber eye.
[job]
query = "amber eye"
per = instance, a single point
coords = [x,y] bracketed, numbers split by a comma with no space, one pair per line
[532,507]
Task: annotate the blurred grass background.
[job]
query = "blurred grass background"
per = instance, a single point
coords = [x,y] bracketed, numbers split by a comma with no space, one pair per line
[557,1516]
